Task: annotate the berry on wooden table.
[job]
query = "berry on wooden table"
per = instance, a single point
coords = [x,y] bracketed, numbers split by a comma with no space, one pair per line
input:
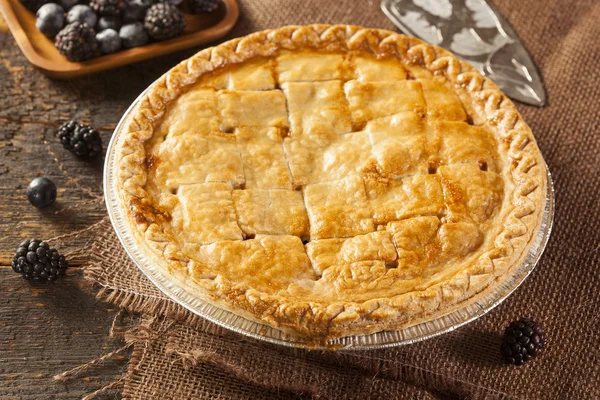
[38,262]
[523,340]
[41,192]
[82,140]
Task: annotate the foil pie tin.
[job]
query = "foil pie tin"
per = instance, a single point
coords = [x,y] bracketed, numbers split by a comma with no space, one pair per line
[421,331]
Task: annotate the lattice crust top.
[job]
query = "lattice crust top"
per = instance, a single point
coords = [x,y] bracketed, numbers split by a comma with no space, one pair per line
[331,180]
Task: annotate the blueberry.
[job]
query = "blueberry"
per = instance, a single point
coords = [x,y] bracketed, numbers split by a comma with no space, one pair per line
[109,42]
[133,35]
[113,23]
[67,4]
[50,19]
[82,13]
[41,192]
[135,10]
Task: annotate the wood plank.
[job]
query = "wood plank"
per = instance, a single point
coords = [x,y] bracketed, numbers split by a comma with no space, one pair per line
[45,330]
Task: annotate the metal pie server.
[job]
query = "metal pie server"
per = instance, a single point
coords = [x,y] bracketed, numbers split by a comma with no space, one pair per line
[475,31]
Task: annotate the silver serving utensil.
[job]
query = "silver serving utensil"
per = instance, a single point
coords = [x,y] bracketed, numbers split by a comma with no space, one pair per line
[475,31]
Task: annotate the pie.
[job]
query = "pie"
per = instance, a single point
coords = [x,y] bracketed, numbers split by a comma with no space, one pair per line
[331,180]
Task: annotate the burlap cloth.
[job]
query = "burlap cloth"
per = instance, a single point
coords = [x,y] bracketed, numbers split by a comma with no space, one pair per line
[179,356]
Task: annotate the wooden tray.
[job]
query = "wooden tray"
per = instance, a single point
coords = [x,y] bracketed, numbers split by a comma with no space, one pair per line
[41,52]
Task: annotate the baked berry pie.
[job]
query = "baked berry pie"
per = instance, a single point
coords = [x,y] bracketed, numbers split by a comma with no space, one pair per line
[331,180]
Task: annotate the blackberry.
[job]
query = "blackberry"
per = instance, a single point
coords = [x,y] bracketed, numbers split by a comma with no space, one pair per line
[523,340]
[33,5]
[77,41]
[81,140]
[38,262]
[164,21]
[202,6]
[66,131]
[108,8]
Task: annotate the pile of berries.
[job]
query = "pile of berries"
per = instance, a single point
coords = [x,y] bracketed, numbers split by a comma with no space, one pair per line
[34,259]
[85,30]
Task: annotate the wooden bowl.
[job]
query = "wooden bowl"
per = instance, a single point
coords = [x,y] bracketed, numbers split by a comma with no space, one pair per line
[41,52]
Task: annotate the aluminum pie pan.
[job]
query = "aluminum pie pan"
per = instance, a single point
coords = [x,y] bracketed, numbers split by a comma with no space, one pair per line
[424,330]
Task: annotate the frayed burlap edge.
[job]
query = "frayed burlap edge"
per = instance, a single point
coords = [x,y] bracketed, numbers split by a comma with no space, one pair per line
[158,313]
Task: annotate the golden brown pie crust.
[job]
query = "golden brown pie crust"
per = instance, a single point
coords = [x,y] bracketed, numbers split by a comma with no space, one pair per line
[331,180]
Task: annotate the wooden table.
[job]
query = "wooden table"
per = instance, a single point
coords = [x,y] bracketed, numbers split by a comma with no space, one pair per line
[47,329]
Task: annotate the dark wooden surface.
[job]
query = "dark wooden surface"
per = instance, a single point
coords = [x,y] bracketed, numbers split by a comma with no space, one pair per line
[46,330]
